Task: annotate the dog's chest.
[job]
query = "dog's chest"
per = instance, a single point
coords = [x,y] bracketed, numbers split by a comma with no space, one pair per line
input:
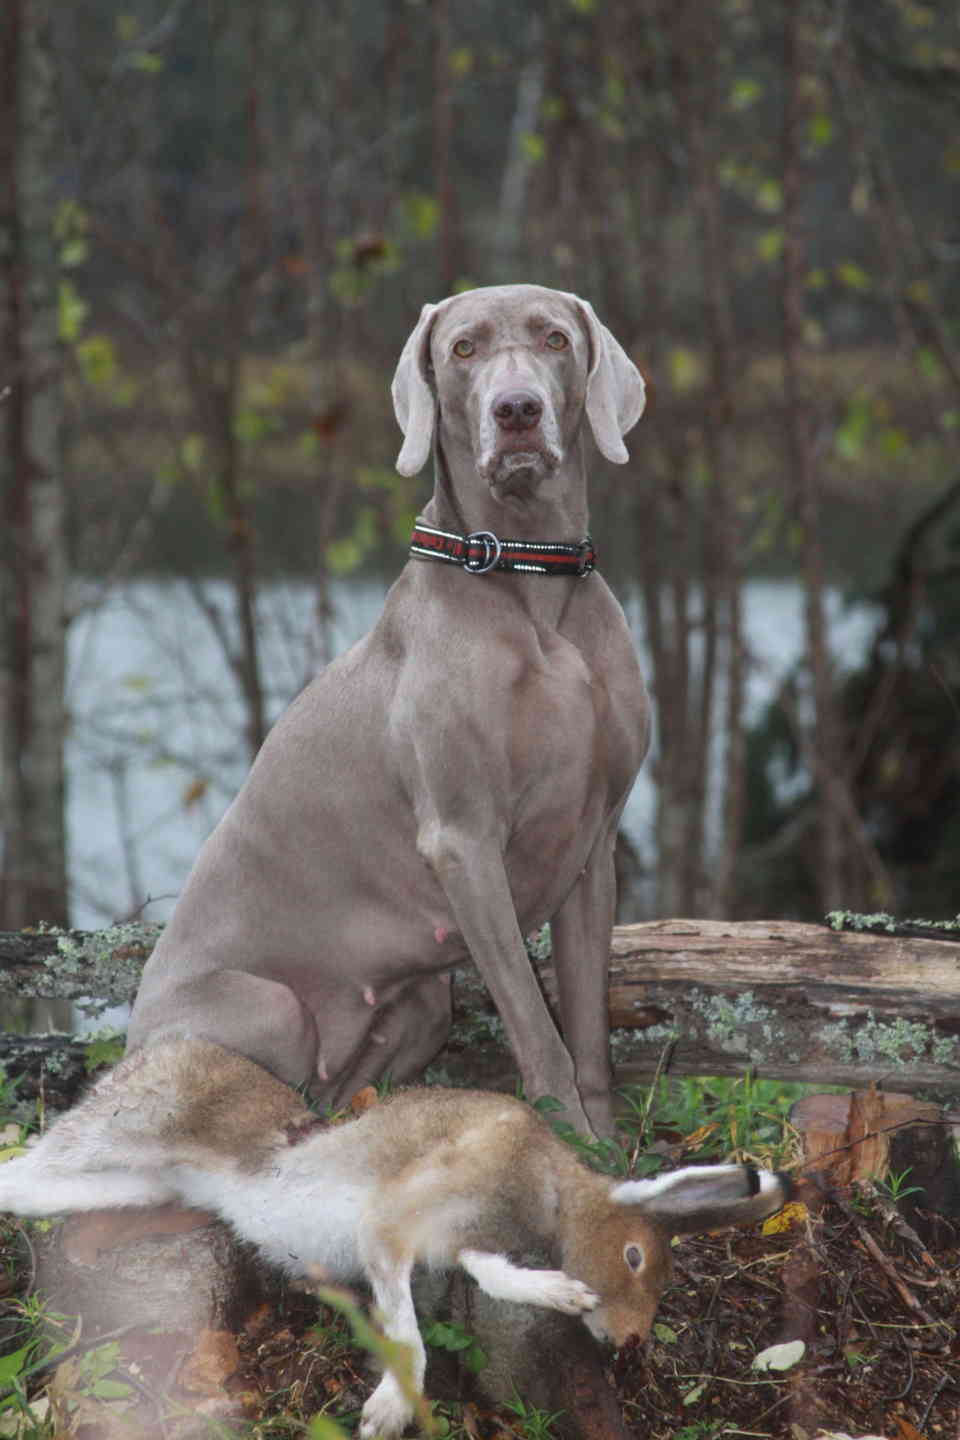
[578,724]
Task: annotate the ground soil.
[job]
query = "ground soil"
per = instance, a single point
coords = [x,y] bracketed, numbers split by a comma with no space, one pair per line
[877,1307]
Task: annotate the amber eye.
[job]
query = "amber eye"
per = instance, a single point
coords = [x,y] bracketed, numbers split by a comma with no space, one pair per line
[464,348]
[557,340]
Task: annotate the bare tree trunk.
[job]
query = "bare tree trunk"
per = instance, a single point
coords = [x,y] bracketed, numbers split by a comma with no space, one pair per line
[447,266]
[724,643]
[823,749]
[316,160]
[517,165]
[33,882]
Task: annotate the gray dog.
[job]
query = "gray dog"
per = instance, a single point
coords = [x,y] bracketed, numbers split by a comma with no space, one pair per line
[455,779]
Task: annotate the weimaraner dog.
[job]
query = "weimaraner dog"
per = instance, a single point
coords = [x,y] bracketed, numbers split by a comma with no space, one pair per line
[455,780]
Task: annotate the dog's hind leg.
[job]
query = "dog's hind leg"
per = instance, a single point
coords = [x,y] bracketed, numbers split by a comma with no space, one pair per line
[259,1018]
[399,1041]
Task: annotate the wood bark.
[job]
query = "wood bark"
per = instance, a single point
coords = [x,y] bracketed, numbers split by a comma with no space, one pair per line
[33,554]
[787,1000]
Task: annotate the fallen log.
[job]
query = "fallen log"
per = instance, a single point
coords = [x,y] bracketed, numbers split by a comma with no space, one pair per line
[791,1001]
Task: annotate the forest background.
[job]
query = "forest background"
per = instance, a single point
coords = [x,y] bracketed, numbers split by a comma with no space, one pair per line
[218,221]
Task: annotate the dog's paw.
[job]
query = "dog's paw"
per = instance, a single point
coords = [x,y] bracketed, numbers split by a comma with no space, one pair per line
[559,1291]
[387,1413]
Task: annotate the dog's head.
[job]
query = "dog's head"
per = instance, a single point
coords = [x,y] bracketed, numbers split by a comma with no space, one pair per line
[512,370]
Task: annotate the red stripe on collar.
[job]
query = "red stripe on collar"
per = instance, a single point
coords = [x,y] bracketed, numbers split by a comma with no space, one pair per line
[481,552]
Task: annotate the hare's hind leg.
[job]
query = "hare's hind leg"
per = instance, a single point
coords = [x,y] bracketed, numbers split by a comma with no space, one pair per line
[390,1408]
[33,1186]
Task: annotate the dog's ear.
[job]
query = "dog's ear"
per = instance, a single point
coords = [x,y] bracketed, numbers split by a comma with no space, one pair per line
[414,402]
[615,391]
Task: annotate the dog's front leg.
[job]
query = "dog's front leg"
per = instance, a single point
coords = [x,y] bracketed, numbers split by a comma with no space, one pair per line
[580,932]
[469,866]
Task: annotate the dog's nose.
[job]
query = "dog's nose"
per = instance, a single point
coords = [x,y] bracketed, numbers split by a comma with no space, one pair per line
[517,410]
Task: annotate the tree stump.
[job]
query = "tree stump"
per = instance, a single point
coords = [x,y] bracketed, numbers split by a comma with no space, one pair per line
[881,1135]
[165,1288]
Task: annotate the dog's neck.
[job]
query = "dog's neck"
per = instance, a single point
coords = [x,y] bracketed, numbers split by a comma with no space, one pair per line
[463,501]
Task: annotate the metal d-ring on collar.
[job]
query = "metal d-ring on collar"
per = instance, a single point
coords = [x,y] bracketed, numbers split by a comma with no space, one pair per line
[490,552]
[491,548]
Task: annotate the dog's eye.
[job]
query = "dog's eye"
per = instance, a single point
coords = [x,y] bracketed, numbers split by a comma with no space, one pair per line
[464,348]
[557,340]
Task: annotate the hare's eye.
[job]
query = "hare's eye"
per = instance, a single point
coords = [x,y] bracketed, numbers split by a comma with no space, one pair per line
[464,348]
[633,1256]
[557,340]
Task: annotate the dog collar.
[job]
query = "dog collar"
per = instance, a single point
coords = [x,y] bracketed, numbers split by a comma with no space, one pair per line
[482,551]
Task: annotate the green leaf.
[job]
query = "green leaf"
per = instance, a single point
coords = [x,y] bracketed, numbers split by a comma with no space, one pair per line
[820,129]
[476,1359]
[693,1395]
[422,212]
[192,452]
[111,1390]
[12,1364]
[770,245]
[853,276]
[343,556]
[745,93]
[533,145]
[664,1334]
[323,1428]
[146,61]
[894,440]
[97,360]
[929,363]
[547,1104]
[72,311]
[769,197]
[685,369]
[851,437]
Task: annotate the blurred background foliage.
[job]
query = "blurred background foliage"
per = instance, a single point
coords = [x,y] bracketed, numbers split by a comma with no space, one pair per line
[249,203]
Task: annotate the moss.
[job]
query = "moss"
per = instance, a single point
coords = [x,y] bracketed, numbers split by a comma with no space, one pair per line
[626,1042]
[881,921]
[100,968]
[902,1041]
[740,1024]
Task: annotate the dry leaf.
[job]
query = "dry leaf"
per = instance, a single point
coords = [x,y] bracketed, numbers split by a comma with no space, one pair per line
[694,1141]
[779,1357]
[214,1359]
[907,1430]
[793,1213]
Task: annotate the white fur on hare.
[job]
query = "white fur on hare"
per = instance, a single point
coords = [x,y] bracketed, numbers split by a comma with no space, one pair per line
[441,1177]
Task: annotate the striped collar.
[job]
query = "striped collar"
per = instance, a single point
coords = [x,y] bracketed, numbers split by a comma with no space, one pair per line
[482,551]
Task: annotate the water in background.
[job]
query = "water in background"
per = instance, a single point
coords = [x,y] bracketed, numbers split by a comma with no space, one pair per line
[156,749]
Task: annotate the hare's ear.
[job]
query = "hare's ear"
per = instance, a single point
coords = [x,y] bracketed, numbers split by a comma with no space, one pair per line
[414,402]
[703,1197]
[616,393]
